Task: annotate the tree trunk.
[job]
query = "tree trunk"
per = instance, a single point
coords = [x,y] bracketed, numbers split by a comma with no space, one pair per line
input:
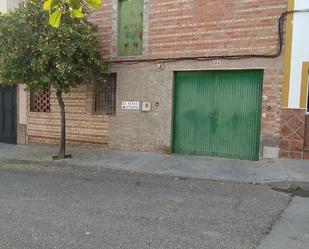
[63,131]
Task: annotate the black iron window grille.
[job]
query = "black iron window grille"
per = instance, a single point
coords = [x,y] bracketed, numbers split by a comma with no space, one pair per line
[105,97]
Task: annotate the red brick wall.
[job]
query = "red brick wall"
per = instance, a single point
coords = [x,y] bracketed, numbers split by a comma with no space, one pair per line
[83,127]
[208,27]
[179,28]
[202,27]
[271,106]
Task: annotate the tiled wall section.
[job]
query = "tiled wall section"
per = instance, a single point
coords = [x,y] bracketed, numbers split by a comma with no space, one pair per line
[292,134]
[306,151]
[307,132]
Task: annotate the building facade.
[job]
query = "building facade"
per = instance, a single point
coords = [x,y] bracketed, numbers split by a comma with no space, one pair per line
[13,102]
[187,77]
[295,113]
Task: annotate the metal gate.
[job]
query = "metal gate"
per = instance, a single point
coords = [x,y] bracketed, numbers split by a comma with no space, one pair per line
[8,114]
[218,113]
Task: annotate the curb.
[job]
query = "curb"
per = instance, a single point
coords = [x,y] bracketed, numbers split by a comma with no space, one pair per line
[285,184]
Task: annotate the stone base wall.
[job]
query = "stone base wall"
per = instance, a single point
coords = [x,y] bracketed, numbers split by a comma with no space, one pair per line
[153,131]
[148,131]
[292,134]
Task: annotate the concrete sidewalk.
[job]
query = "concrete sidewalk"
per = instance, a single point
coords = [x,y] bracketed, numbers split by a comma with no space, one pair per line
[292,230]
[173,165]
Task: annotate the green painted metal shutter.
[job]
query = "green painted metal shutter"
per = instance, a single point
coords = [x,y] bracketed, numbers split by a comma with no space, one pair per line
[218,113]
[130,36]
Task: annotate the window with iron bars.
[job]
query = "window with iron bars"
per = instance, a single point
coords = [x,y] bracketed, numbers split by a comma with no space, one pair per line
[40,101]
[105,97]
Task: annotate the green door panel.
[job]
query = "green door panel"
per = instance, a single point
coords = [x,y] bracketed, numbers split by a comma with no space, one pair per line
[207,116]
[130,30]
[185,125]
[218,113]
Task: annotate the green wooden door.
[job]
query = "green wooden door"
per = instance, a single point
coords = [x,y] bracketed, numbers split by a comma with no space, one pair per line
[218,113]
[130,30]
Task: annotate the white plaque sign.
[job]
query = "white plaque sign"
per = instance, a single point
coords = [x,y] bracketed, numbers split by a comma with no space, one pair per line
[130,105]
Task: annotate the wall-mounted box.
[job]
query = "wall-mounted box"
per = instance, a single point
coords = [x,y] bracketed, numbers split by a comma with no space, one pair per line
[146,107]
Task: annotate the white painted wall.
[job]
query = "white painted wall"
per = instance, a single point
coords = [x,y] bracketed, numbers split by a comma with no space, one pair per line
[3,6]
[11,3]
[300,51]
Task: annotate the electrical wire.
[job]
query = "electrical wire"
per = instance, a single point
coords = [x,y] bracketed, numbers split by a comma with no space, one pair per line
[270,55]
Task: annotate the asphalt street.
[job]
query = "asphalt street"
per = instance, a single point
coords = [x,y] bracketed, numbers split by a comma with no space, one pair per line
[116,209]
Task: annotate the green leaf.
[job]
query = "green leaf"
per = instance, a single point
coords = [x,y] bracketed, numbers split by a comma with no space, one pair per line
[77,13]
[54,3]
[94,3]
[74,4]
[54,19]
[46,5]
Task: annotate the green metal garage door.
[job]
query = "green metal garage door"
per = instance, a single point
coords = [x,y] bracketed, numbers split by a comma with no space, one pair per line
[218,113]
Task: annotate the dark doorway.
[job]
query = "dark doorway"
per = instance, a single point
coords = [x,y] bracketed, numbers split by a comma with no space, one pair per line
[8,115]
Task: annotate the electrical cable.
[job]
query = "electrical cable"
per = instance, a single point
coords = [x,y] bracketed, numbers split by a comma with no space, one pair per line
[276,54]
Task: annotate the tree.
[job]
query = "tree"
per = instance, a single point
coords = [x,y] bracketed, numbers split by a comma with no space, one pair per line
[37,55]
[76,8]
